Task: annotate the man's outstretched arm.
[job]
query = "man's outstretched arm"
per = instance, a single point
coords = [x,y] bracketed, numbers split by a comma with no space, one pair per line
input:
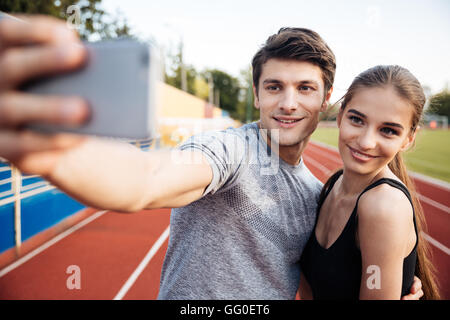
[121,177]
[100,173]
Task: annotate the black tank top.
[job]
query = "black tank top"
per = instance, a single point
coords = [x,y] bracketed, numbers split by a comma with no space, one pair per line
[335,273]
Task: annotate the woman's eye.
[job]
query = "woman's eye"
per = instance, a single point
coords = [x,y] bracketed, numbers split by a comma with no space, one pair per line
[389,131]
[355,120]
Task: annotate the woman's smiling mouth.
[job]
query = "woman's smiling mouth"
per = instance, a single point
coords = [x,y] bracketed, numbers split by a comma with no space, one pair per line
[360,156]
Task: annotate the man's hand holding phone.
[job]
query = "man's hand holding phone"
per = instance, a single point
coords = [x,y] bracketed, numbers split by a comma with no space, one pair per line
[107,174]
[34,47]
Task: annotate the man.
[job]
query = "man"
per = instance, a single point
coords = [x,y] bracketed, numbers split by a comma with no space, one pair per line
[244,201]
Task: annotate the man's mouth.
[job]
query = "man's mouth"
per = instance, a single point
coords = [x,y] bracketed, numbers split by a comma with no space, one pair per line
[285,121]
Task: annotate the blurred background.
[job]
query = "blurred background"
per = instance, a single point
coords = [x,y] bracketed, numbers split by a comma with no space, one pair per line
[206,39]
[206,48]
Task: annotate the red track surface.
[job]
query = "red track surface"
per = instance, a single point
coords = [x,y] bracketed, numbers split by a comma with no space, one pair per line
[110,248]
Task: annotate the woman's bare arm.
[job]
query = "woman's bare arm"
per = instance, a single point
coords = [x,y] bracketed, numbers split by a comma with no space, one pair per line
[384,226]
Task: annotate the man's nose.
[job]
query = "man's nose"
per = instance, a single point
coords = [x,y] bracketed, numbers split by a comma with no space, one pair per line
[288,102]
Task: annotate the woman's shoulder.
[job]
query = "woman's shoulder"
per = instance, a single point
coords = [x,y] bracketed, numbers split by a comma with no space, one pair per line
[386,204]
[385,219]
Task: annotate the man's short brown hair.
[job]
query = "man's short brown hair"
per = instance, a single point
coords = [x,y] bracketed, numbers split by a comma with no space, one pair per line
[296,44]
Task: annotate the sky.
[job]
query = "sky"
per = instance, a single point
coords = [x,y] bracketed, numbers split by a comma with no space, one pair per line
[226,34]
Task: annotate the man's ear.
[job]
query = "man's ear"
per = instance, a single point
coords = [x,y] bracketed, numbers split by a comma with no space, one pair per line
[326,100]
[255,97]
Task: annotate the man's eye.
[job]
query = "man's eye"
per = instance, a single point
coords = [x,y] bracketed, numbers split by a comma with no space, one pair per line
[272,88]
[305,88]
[389,131]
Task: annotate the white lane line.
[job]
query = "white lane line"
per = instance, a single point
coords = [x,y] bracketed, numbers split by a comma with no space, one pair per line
[154,249]
[327,155]
[326,146]
[433,181]
[316,164]
[51,242]
[436,243]
[331,154]
[433,203]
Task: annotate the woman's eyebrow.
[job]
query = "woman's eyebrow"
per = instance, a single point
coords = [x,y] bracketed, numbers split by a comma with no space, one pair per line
[362,115]
[393,124]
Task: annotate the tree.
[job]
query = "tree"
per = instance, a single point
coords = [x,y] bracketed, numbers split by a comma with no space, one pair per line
[440,104]
[246,111]
[201,88]
[228,90]
[95,24]
[174,76]
[331,113]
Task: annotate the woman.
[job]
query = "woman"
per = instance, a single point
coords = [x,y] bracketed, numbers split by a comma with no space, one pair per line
[366,243]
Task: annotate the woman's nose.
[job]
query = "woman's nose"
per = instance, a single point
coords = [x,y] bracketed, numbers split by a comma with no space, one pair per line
[367,140]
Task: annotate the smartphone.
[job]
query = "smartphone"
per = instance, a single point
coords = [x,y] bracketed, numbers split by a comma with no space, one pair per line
[119,83]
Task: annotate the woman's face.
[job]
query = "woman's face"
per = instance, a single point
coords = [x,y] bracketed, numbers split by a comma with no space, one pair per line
[373,128]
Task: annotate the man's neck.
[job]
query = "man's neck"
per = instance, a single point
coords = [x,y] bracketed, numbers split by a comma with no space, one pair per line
[289,154]
[293,154]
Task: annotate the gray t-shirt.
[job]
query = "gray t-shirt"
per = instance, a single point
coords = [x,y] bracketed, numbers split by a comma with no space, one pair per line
[243,239]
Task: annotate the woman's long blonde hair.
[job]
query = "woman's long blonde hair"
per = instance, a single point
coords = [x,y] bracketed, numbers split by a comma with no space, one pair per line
[409,88]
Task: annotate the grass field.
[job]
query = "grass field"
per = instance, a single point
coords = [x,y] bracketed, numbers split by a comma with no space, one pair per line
[430,156]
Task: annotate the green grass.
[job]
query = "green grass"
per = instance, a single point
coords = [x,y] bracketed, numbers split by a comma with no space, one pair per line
[430,156]
[326,135]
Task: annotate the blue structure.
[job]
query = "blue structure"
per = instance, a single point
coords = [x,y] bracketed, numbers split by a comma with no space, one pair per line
[41,204]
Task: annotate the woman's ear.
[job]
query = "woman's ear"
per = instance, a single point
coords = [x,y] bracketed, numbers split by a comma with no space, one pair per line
[409,140]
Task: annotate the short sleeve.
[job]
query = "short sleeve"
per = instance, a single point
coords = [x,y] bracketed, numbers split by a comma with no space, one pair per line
[225,152]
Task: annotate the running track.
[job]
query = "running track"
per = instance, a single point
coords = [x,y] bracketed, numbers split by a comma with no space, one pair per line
[120,255]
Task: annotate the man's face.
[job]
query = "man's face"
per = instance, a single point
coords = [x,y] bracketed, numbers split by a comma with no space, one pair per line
[290,97]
